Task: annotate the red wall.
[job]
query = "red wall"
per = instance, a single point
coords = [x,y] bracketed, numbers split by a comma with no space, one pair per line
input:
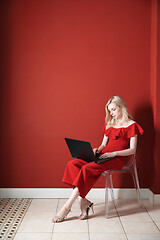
[158,102]
[62,61]
[155,90]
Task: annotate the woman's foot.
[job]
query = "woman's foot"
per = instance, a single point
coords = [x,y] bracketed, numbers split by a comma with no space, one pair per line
[61,215]
[85,206]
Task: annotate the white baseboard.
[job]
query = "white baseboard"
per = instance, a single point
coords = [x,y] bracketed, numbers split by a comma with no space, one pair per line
[154,198]
[65,193]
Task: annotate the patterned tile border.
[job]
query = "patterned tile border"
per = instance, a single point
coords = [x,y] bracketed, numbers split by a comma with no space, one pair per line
[12,212]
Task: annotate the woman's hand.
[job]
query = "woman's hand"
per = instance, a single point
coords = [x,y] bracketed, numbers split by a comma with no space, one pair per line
[95,150]
[106,155]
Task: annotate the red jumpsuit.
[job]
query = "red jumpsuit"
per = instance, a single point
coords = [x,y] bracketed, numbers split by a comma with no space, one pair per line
[83,175]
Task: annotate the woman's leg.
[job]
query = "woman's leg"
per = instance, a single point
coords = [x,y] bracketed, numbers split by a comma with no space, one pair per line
[83,176]
[73,197]
[72,175]
[89,174]
[84,203]
[72,170]
[67,206]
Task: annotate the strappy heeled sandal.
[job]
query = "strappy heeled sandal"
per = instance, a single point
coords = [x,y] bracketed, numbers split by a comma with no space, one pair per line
[58,219]
[85,216]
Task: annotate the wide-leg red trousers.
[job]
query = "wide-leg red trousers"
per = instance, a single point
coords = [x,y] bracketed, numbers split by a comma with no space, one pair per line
[83,175]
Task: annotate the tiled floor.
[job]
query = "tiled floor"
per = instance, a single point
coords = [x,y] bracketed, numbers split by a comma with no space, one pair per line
[12,212]
[126,222]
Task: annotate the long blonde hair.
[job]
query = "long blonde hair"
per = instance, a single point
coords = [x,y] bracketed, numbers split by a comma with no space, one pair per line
[126,116]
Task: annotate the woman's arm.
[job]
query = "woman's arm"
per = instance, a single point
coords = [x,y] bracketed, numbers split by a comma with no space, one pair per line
[129,151]
[102,146]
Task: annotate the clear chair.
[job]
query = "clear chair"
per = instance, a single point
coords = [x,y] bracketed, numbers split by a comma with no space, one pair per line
[129,167]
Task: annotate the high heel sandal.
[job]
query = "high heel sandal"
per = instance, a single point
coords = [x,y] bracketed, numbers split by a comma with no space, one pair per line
[61,219]
[85,216]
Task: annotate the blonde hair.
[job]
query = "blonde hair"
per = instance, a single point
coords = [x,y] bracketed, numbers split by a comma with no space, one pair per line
[126,116]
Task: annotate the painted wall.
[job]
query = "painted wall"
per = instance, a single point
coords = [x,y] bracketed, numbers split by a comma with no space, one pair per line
[155,90]
[62,61]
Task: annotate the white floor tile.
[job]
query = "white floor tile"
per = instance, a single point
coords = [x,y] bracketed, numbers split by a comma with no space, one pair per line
[71,225]
[157,222]
[140,227]
[104,236]
[152,236]
[137,223]
[102,225]
[99,209]
[140,216]
[43,205]
[37,222]
[70,236]
[33,236]
[125,206]
[154,212]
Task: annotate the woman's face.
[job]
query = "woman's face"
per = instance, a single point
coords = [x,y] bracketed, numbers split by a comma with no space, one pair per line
[115,111]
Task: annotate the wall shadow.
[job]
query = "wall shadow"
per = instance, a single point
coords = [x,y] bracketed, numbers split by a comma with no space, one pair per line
[5,94]
[145,151]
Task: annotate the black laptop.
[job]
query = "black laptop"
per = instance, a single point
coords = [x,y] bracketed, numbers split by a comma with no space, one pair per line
[83,150]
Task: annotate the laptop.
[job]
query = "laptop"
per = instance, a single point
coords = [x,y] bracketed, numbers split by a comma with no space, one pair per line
[83,150]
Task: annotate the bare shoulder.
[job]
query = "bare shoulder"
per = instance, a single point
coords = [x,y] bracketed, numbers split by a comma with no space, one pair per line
[130,123]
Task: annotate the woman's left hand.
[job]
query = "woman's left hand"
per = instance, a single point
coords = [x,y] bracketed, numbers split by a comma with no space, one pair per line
[106,155]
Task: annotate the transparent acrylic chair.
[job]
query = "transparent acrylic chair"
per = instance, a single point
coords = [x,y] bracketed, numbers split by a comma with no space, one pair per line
[129,167]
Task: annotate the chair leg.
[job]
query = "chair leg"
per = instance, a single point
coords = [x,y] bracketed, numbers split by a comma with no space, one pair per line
[136,183]
[111,185]
[107,185]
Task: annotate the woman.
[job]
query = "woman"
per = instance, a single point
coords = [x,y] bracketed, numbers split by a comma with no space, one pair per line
[120,140]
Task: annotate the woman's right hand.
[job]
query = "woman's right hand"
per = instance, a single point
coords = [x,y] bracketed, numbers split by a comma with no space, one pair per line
[95,150]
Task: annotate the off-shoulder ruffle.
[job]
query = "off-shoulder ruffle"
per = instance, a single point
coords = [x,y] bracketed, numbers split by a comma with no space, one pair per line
[124,132]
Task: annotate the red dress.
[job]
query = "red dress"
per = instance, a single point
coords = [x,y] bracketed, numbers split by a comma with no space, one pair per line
[83,175]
